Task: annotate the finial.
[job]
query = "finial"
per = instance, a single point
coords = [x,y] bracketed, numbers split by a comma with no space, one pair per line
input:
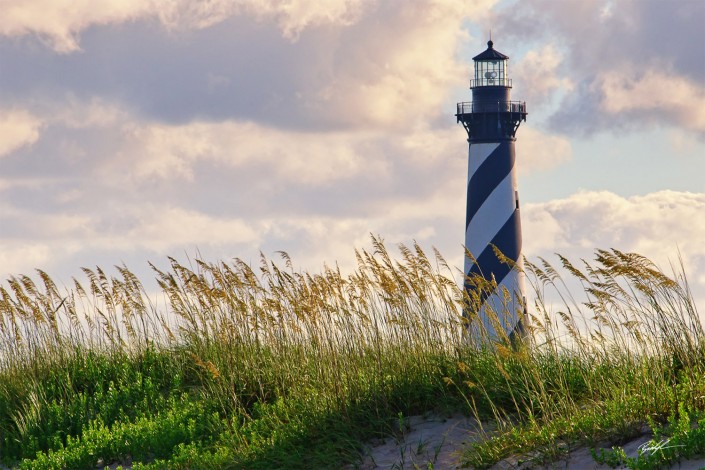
[490,43]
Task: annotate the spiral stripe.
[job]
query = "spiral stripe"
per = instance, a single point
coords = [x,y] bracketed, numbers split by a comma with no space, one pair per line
[493,221]
[487,177]
[505,310]
[508,241]
[491,217]
[479,154]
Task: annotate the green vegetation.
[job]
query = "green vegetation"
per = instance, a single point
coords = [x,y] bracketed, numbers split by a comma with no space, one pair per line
[274,368]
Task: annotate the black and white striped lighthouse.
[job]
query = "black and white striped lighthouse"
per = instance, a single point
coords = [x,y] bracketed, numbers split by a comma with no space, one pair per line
[494,280]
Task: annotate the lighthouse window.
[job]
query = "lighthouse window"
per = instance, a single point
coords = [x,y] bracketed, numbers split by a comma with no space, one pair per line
[490,73]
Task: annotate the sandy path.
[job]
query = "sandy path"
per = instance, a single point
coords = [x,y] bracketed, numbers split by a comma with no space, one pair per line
[428,442]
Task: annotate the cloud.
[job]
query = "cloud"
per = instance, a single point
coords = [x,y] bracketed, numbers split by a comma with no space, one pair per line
[18,257]
[658,225]
[355,64]
[656,93]
[58,23]
[97,156]
[151,128]
[19,224]
[164,228]
[540,72]
[18,128]
[104,185]
[143,152]
[630,63]
[96,112]
[156,227]
[399,70]
[299,158]
[537,150]
[294,16]
[392,67]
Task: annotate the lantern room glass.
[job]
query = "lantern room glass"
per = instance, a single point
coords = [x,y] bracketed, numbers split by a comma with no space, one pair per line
[491,73]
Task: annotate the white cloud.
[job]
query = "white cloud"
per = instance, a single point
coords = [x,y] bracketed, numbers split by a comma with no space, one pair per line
[163,151]
[148,151]
[657,225]
[631,62]
[18,128]
[537,150]
[294,16]
[400,69]
[164,228]
[654,92]
[156,228]
[142,190]
[60,22]
[43,226]
[360,64]
[542,72]
[17,257]
[355,153]
[93,113]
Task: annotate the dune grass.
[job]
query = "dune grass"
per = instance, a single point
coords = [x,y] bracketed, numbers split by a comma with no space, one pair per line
[270,367]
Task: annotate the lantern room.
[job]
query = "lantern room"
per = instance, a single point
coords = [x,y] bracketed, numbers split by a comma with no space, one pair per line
[491,69]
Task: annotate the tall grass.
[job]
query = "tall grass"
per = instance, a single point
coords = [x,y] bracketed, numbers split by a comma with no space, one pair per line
[270,367]
[628,352]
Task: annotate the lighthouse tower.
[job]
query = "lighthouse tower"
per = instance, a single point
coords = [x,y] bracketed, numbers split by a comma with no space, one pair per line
[494,280]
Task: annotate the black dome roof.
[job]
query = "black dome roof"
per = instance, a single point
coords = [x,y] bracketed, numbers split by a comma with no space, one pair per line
[490,54]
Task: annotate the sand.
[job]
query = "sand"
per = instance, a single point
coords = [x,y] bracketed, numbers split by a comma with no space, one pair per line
[426,439]
[433,442]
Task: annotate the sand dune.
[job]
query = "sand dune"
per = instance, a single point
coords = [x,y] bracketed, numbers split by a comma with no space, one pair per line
[434,442]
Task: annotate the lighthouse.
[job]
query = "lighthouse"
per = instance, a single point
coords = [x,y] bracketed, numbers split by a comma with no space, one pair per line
[494,280]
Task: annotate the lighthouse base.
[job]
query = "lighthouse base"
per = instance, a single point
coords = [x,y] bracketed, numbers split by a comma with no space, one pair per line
[496,313]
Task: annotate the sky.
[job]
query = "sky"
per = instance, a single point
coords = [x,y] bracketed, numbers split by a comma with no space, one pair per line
[133,130]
